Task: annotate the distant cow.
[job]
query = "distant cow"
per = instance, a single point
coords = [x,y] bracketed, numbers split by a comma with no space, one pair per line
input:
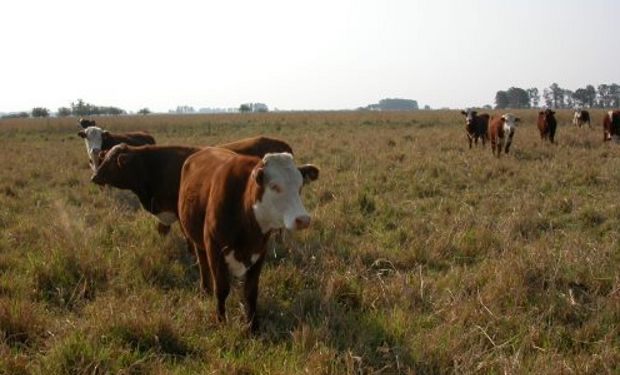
[476,126]
[98,140]
[153,172]
[229,204]
[85,123]
[611,126]
[547,124]
[502,129]
[580,117]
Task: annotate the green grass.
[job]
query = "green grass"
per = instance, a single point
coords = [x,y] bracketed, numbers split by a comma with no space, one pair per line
[423,256]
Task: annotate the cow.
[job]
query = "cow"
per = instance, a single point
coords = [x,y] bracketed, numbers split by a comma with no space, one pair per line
[611,126]
[229,204]
[502,128]
[85,123]
[97,139]
[547,125]
[580,117]
[153,172]
[476,126]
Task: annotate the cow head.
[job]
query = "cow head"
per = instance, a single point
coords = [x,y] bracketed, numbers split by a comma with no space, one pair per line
[511,121]
[279,181]
[93,137]
[114,168]
[470,116]
[85,123]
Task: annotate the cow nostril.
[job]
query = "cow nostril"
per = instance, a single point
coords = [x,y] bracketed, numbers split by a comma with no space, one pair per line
[302,222]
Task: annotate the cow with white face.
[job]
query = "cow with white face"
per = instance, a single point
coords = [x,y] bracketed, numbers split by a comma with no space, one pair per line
[97,140]
[581,117]
[501,130]
[611,126]
[229,204]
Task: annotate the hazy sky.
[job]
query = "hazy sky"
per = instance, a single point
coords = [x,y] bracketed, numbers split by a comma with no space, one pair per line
[320,54]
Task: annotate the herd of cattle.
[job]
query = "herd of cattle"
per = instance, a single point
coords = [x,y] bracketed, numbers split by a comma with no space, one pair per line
[230,197]
[501,129]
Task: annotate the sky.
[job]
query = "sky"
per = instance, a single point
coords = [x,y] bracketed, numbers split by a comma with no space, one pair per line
[296,55]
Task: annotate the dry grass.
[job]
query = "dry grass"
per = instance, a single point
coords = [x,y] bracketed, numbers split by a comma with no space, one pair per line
[424,257]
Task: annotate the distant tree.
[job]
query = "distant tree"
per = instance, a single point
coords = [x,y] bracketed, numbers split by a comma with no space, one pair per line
[64,112]
[591,98]
[534,97]
[16,115]
[245,108]
[604,95]
[487,106]
[518,98]
[502,100]
[581,97]
[569,102]
[614,93]
[144,111]
[548,97]
[557,93]
[40,112]
[427,107]
[397,104]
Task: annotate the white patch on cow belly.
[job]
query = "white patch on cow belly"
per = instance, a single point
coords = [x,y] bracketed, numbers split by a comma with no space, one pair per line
[235,267]
[166,217]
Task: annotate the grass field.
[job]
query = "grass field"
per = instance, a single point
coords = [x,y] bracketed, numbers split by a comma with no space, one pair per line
[423,257]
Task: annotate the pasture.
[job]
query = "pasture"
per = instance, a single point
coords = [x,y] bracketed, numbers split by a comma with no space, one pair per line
[423,256]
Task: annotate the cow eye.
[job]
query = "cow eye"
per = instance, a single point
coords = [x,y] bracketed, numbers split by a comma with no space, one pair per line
[275,188]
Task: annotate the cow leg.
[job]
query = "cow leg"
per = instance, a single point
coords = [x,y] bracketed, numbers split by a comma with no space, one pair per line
[508,142]
[219,279]
[251,293]
[203,266]
[469,139]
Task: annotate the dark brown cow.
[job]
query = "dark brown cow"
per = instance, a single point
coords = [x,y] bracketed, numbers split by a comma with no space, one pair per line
[476,126]
[228,206]
[502,128]
[547,125]
[153,172]
[98,140]
[580,117]
[611,126]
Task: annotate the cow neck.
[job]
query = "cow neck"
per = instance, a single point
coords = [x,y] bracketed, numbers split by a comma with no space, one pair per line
[253,193]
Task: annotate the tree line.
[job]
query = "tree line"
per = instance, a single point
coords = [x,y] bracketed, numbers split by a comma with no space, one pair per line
[78,108]
[554,96]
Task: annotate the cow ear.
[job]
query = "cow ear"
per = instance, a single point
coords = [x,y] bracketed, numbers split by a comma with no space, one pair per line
[105,134]
[517,119]
[82,134]
[123,159]
[541,113]
[309,172]
[259,175]
[463,112]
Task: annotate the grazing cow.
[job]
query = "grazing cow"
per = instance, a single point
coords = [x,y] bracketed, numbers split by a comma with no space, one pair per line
[611,126]
[85,123]
[228,206]
[97,140]
[547,124]
[476,126]
[502,128]
[580,117]
[153,172]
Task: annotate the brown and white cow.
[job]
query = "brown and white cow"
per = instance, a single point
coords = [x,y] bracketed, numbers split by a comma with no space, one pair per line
[476,126]
[229,204]
[547,125]
[153,172]
[611,126]
[581,117]
[502,129]
[98,140]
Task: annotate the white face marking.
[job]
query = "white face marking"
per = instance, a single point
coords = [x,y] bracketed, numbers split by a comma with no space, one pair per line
[235,267]
[93,143]
[166,217]
[511,122]
[280,206]
[611,115]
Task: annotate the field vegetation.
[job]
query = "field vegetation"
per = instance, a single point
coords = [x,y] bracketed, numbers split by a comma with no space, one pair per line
[423,257]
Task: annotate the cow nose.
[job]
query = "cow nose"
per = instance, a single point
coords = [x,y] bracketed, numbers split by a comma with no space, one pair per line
[302,222]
